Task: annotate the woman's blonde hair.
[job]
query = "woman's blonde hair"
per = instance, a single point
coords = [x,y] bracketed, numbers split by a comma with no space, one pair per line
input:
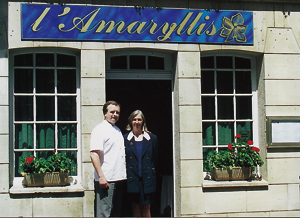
[130,118]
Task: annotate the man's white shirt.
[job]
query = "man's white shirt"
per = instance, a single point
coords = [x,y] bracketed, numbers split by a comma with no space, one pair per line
[109,142]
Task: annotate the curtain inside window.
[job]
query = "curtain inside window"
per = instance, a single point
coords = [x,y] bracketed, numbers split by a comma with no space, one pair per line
[45,136]
[67,135]
[245,130]
[67,138]
[209,134]
[24,136]
[226,133]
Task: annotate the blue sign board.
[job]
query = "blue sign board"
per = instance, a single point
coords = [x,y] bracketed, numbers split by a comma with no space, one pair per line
[102,23]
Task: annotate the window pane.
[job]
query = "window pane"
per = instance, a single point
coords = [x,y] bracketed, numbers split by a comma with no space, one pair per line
[205,164]
[244,107]
[23,81]
[18,157]
[118,62]
[67,135]
[245,130]
[23,136]
[224,82]
[45,136]
[242,63]
[207,82]
[43,60]
[44,154]
[73,156]
[156,63]
[66,60]
[209,133]
[66,81]
[23,108]
[223,148]
[137,62]
[207,62]
[45,108]
[226,133]
[208,108]
[224,62]
[243,82]
[225,107]
[66,108]
[23,60]
[45,81]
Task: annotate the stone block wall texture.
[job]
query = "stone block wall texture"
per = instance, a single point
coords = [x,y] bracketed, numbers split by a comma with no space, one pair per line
[277,38]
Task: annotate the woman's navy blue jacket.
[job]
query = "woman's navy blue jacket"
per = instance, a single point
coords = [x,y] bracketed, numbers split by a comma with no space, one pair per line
[149,160]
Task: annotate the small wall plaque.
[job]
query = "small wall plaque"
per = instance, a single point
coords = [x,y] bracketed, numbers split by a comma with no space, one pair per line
[283,132]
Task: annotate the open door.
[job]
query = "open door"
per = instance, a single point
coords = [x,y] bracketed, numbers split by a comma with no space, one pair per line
[154,99]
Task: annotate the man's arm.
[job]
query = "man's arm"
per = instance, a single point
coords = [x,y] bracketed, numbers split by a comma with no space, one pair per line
[96,163]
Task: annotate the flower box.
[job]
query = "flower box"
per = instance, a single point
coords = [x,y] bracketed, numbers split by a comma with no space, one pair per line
[46,179]
[53,171]
[235,163]
[237,173]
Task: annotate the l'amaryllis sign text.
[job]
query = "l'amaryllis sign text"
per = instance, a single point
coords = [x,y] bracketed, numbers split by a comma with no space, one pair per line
[98,23]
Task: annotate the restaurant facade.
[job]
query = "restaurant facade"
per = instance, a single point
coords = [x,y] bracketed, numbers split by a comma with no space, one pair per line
[201,71]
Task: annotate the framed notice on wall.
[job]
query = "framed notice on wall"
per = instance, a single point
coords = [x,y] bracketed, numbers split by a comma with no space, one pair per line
[283,132]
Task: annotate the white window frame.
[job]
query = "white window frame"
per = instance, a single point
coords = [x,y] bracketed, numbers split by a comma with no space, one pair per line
[17,181]
[254,98]
[165,74]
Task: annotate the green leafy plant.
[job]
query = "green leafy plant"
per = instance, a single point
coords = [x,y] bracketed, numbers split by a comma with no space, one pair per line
[57,162]
[220,159]
[238,154]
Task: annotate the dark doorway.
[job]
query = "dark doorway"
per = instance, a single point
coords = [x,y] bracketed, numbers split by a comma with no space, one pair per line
[154,99]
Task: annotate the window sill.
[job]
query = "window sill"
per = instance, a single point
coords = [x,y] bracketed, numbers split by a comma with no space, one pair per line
[231,184]
[19,189]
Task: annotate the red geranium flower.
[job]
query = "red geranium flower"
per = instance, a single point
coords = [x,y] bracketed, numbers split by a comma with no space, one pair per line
[230,146]
[238,136]
[255,149]
[250,142]
[29,160]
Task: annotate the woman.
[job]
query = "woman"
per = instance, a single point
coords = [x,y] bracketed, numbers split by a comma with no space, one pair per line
[141,157]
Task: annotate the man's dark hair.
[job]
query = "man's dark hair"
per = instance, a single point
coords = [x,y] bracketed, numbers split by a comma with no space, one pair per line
[109,103]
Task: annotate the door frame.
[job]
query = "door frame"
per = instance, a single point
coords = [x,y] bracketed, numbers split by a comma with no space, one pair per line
[168,73]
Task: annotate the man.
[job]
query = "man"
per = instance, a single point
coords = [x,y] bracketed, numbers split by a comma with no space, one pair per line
[108,157]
